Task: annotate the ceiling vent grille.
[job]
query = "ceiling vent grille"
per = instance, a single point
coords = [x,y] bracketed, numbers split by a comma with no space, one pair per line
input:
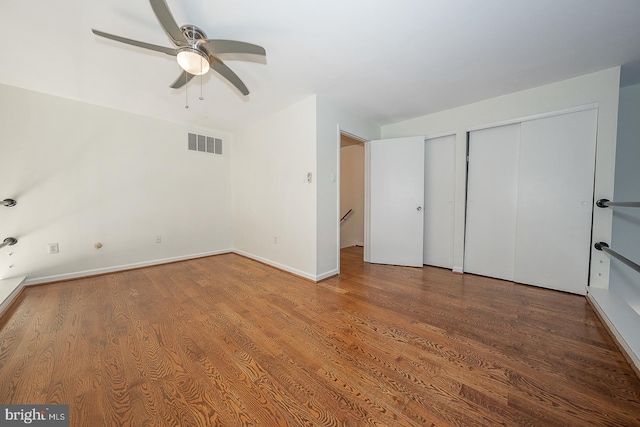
[205,144]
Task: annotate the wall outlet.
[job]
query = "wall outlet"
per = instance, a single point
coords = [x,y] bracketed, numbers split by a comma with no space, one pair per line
[158,239]
[53,248]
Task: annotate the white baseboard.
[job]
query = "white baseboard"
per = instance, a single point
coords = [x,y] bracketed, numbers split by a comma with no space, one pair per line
[9,290]
[621,321]
[327,274]
[279,266]
[456,269]
[112,269]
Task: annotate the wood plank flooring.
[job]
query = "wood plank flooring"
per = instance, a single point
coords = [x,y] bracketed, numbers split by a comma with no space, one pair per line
[228,341]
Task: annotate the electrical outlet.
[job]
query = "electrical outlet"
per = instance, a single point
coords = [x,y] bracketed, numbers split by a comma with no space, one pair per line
[53,248]
[158,239]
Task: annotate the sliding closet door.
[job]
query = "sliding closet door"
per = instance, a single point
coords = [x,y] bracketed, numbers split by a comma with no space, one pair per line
[439,195]
[492,194]
[555,201]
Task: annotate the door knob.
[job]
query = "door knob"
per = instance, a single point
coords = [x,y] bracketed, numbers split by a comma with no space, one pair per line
[419,208]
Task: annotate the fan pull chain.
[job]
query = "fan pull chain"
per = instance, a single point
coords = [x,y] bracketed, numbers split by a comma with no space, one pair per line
[201,97]
[186,92]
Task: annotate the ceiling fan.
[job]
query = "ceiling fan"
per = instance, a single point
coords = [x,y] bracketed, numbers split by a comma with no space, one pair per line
[195,53]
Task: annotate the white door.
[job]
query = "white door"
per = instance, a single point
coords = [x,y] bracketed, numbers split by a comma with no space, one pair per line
[555,201]
[439,195]
[492,194]
[396,195]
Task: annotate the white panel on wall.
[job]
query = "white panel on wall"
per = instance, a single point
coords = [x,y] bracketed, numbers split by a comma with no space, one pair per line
[555,201]
[492,201]
[439,196]
[626,221]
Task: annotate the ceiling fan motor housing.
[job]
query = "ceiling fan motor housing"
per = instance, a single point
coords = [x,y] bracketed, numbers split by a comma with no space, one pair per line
[193,33]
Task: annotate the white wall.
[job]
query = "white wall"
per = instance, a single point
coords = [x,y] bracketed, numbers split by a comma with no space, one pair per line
[274,207]
[626,221]
[601,88]
[278,217]
[352,194]
[84,174]
[330,121]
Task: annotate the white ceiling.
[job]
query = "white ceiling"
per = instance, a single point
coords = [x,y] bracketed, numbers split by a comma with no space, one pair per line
[385,60]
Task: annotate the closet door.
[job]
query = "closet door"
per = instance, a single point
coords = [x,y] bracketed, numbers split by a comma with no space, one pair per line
[396,201]
[555,201]
[492,194]
[439,195]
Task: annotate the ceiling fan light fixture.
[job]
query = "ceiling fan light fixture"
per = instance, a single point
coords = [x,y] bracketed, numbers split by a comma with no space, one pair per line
[193,61]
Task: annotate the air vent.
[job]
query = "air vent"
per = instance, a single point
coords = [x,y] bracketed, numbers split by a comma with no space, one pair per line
[211,145]
[205,144]
[193,141]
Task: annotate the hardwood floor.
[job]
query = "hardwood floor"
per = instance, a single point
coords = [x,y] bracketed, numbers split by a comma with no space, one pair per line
[228,341]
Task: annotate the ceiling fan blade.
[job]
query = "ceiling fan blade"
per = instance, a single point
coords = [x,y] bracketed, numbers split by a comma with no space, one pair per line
[217,47]
[167,22]
[181,80]
[226,72]
[167,50]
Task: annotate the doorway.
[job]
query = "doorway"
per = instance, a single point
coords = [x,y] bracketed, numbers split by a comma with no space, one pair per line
[351,190]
